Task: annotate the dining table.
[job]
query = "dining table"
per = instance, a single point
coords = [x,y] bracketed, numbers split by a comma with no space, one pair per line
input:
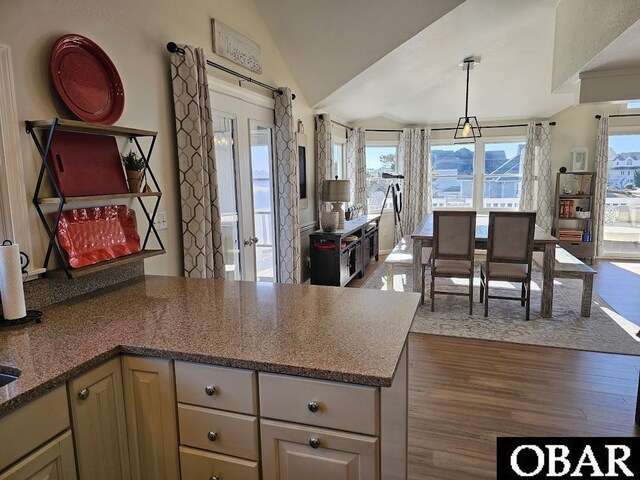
[422,237]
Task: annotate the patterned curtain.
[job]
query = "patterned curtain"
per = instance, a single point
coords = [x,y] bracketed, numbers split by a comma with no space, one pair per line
[324,154]
[201,225]
[536,192]
[357,166]
[414,162]
[527,195]
[544,217]
[601,163]
[288,190]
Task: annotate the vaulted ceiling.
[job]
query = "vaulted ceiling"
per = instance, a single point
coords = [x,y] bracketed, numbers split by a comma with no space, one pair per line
[360,59]
[326,43]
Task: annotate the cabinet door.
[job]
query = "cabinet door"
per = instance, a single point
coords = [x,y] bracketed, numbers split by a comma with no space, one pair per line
[99,427]
[292,452]
[54,461]
[150,403]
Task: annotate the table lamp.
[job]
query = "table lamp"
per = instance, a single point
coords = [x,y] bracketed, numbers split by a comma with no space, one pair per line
[337,191]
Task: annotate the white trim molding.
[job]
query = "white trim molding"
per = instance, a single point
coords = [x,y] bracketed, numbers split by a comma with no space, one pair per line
[14,208]
[221,86]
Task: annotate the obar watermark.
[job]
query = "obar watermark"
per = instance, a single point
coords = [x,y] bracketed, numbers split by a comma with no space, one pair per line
[553,457]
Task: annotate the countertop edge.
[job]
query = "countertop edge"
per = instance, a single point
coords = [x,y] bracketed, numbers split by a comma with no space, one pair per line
[317,374]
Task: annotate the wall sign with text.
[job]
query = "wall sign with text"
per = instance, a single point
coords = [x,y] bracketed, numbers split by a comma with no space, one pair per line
[234,46]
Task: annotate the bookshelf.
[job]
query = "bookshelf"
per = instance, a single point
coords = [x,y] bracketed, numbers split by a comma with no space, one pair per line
[573,222]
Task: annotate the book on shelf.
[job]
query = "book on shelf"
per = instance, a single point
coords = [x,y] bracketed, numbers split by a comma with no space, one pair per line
[570,235]
[567,209]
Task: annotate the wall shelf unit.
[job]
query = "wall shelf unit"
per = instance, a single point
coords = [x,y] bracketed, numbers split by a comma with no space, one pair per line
[43,145]
[575,234]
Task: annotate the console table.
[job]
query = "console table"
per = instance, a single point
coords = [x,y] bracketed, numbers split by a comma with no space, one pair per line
[339,265]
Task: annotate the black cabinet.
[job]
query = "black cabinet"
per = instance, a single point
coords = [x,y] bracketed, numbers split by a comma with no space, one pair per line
[334,261]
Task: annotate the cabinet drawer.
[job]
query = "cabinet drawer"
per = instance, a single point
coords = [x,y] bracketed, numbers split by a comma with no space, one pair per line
[235,434]
[287,452]
[342,406]
[196,464]
[222,388]
[32,425]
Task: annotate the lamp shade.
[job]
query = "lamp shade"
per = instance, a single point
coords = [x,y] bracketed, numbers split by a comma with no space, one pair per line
[336,190]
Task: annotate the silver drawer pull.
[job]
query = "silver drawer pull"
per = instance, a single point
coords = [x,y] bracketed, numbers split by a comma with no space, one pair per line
[313,406]
[314,442]
[213,436]
[83,394]
[210,390]
[214,477]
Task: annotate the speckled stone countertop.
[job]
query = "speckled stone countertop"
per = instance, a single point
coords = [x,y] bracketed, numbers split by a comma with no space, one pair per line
[342,334]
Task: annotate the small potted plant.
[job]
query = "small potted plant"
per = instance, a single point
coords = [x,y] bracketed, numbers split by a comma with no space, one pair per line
[134,164]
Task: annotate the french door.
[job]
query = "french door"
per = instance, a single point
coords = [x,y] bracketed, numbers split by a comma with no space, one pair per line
[244,136]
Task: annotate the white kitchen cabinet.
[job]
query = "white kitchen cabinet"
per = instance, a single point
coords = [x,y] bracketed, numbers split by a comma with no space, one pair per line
[53,461]
[150,404]
[31,426]
[291,451]
[99,426]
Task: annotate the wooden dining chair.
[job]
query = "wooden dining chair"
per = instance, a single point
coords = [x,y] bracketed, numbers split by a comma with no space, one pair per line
[509,255]
[454,239]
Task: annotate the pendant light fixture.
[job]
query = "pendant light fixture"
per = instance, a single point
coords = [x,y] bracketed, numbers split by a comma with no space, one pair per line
[468,125]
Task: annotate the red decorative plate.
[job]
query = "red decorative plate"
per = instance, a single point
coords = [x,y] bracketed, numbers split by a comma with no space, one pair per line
[93,235]
[86,80]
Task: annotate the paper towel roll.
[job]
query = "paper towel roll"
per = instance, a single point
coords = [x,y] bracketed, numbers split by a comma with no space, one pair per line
[11,290]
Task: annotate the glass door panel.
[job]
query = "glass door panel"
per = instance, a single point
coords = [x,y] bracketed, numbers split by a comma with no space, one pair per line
[263,201]
[622,206]
[226,166]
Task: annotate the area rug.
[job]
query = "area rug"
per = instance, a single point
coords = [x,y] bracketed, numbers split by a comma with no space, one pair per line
[604,331]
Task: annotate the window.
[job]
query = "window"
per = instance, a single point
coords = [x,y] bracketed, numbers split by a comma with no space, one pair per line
[622,205]
[484,175]
[453,171]
[635,105]
[502,175]
[338,160]
[379,159]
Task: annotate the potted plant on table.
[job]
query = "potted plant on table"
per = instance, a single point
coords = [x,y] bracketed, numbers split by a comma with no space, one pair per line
[134,165]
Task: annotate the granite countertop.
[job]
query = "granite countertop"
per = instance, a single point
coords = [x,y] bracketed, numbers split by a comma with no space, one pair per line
[341,334]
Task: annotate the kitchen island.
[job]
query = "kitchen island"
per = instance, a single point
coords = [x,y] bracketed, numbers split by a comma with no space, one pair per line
[338,354]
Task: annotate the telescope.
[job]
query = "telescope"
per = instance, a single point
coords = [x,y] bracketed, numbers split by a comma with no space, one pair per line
[390,175]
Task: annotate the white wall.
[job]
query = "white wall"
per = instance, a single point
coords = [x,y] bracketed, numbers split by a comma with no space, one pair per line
[583,29]
[134,34]
[577,127]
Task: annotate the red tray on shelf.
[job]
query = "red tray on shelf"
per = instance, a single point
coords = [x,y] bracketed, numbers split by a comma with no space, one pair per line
[94,235]
[86,164]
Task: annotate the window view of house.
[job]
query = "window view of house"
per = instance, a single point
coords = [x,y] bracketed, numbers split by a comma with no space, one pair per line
[502,175]
[497,178]
[622,210]
[452,169]
[380,159]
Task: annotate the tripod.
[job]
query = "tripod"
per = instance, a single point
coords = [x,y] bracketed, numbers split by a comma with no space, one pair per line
[396,198]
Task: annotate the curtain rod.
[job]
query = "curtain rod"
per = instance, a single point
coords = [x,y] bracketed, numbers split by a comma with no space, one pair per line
[621,115]
[174,48]
[443,129]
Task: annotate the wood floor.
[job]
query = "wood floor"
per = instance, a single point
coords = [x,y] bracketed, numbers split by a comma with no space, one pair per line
[618,283]
[464,393]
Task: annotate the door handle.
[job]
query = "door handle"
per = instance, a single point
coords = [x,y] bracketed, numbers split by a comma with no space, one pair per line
[251,241]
